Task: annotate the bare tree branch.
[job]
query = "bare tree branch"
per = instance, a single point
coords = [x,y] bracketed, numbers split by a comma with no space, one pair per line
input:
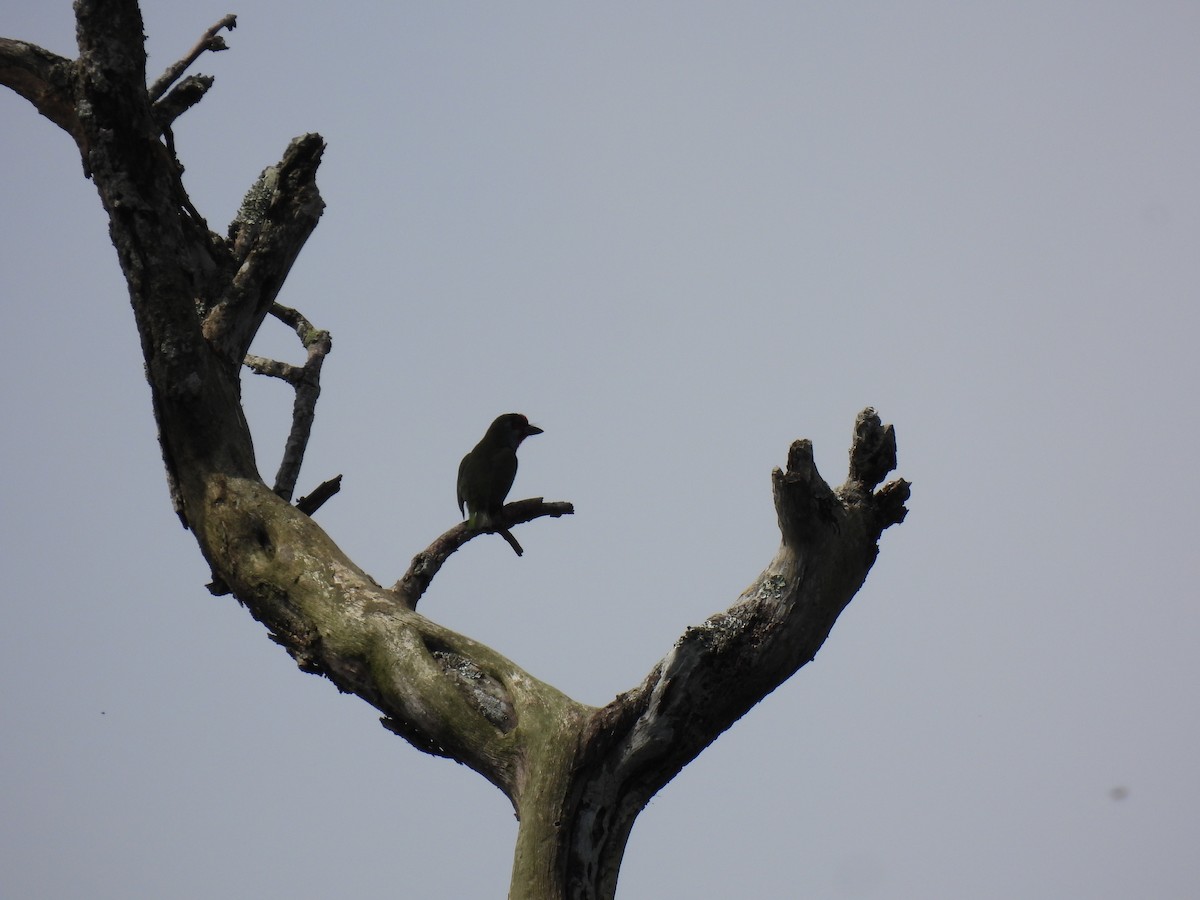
[273,368]
[719,669]
[428,562]
[306,379]
[211,41]
[46,80]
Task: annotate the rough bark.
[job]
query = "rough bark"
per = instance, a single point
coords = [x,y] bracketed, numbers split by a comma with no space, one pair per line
[577,776]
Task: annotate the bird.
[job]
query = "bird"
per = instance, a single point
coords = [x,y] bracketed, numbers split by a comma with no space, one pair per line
[485,475]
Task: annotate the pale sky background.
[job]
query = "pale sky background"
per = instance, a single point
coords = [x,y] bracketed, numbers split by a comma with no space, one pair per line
[678,236]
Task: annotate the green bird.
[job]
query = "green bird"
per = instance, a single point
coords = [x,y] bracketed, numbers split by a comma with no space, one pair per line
[485,475]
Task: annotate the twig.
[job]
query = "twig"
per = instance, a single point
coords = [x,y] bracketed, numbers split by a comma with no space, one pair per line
[429,561]
[260,365]
[211,41]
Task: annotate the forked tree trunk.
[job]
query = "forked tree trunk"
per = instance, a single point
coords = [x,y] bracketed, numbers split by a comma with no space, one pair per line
[577,776]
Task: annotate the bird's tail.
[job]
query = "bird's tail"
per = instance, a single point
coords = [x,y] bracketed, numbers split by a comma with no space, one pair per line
[512,541]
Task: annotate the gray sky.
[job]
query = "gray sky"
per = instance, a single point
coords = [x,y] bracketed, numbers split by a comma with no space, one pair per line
[678,236]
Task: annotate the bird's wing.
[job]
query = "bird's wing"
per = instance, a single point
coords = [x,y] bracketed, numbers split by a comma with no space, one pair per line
[461,500]
[505,469]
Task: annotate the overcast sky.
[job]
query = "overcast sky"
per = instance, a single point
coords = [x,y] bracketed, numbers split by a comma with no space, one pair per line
[678,236]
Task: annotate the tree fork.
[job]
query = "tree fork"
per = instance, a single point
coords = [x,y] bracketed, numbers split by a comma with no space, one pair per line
[577,776]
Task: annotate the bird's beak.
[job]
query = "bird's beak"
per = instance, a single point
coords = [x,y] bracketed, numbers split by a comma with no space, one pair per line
[532,430]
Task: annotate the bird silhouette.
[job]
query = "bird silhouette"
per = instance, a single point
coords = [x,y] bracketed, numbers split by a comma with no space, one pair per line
[485,475]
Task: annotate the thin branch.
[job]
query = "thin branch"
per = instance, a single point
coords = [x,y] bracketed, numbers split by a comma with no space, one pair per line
[210,41]
[308,389]
[429,561]
[295,320]
[306,379]
[260,365]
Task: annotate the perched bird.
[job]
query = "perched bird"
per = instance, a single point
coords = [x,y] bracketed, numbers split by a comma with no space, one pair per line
[485,475]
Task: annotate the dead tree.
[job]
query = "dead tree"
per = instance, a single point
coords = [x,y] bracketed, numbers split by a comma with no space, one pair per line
[577,776]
